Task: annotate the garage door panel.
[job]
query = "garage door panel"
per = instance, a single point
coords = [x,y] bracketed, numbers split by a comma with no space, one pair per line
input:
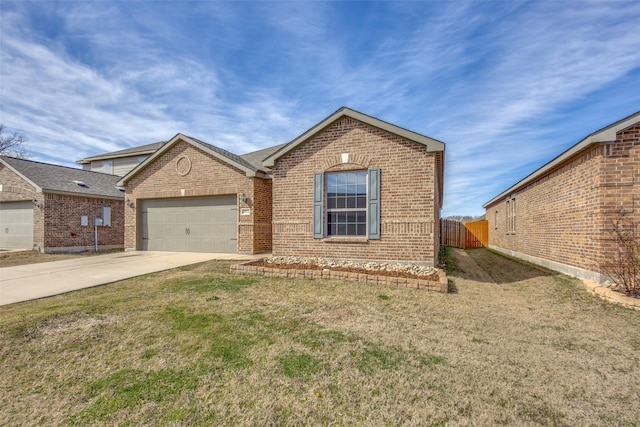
[16,225]
[190,225]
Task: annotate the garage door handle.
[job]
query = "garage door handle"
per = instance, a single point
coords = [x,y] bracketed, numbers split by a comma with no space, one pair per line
[187,231]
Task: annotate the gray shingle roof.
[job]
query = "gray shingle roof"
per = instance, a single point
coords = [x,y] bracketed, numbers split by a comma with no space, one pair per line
[60,179]
[228,154]
[141,149]
[256,157]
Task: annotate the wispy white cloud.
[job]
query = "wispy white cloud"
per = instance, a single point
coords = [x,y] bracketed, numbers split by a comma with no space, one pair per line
[496,81]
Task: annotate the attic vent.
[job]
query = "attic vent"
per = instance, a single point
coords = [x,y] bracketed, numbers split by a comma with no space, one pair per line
[81,184]
[120,189]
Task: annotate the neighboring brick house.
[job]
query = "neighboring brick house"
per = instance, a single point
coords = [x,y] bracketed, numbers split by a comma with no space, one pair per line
[355,187]
[558,216]
[192,196]
[51,208]
[120,162]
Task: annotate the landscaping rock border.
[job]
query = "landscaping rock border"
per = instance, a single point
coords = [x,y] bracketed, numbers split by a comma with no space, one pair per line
[611,296]
[442,285]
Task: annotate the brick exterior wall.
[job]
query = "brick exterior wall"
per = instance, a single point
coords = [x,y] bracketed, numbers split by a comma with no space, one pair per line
[14,188]
[562,216]
[56,226]
[261,203]
[208,176]
[60,221]
[409,204]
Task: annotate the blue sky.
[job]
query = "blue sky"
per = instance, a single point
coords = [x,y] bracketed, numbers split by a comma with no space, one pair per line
[506,85]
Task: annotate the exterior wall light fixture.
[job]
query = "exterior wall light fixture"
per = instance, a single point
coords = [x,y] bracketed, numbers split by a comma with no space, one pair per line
[37,204]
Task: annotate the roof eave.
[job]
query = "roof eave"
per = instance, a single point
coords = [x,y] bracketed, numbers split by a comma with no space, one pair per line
[181,137]
[88,160]
[37,188]
[606,135]
[91,195]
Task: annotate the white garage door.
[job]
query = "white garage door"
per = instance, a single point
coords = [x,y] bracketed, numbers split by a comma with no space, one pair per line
[208,224]
[16,225]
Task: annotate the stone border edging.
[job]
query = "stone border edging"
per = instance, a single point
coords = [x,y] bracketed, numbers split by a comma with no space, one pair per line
[611,295]
[374,279]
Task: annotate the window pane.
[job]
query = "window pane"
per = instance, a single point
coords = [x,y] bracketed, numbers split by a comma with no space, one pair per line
[331,182]
[331,229]
[346,203]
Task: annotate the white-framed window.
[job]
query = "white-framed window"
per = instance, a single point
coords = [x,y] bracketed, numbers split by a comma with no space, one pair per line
[346,201]
[511,216]
[107,167]
[346,204]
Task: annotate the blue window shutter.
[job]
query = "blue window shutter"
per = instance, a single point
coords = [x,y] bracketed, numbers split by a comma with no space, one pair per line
[318,202]
[373,205]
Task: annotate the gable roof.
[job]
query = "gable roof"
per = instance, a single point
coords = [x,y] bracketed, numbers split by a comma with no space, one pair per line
[256,157]
[606,135]
[238,162]
[433,145]
[140,150]
[48,178]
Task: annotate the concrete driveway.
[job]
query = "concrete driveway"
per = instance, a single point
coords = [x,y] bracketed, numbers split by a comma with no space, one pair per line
[33,281]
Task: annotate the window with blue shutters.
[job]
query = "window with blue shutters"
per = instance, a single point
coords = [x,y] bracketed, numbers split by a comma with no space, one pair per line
[347,204]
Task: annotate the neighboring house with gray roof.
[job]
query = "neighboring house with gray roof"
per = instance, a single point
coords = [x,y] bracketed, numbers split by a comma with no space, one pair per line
[120,162]
[51,208]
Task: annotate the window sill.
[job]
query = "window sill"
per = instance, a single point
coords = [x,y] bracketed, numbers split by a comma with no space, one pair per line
[345,239]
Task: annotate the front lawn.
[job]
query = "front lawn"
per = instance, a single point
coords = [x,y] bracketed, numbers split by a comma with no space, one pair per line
[199,346]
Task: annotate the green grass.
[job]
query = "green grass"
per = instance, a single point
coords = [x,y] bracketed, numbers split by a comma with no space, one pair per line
[447,262]
[199,346]
[298,364]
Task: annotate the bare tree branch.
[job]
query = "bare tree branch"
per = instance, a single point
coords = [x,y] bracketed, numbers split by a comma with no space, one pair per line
[12,144]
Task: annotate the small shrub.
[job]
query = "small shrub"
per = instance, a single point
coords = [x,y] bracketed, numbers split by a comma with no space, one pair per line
[622,265]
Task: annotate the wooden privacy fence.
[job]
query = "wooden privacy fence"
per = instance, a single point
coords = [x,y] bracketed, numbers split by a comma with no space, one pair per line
[464,235]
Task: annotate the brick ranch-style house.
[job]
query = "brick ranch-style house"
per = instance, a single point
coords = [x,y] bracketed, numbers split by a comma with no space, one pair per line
[350,187]
[355,187]
[52,208]
[559,215]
